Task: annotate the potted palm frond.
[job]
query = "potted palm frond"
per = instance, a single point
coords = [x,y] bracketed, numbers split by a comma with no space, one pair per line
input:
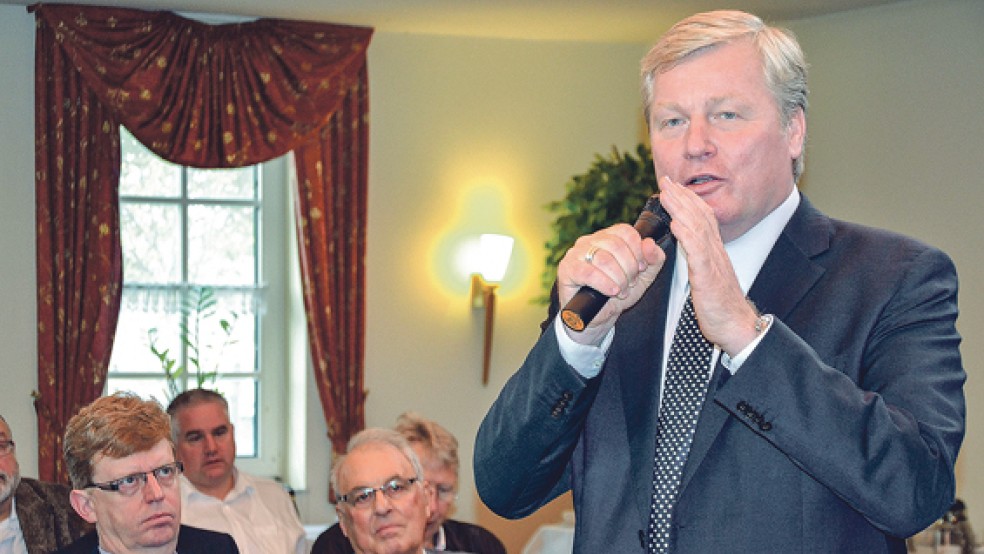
[614,189]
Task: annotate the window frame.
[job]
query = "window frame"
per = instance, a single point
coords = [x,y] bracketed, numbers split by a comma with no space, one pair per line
[276,278]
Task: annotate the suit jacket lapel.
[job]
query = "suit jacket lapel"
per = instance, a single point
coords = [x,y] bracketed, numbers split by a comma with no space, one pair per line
[37,522]
[786,276]
[637,355]
[789,272]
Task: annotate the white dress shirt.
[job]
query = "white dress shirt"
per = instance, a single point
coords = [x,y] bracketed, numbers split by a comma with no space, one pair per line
[257,512]
[11,537]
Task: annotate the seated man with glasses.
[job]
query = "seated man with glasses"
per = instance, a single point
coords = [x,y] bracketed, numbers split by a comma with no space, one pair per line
[384,502]
[34,516]
[437,450]
[120,458]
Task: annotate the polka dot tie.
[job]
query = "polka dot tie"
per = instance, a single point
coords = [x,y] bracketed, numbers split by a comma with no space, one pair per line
[686,379]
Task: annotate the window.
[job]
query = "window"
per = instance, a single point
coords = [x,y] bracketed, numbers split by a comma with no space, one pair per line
[205,258]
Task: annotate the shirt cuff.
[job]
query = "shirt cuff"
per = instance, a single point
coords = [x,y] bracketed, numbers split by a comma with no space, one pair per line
[586,359]
[733,364]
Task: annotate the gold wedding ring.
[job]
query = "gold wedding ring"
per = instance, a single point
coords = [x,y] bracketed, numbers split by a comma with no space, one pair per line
[589,257]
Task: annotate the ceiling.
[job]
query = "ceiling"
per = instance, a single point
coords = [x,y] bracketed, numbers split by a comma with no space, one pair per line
[578,20]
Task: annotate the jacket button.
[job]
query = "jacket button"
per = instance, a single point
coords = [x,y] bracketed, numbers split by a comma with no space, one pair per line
[561,404]
[765,426]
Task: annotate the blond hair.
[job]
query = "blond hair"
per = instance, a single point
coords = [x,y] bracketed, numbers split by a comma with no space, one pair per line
[783,62]
[436,440]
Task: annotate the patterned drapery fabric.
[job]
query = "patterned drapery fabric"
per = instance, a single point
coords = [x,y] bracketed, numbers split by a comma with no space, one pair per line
[332,246]
[204,96]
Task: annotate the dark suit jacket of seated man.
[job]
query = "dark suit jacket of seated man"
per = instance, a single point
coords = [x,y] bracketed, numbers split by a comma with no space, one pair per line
[191,540]
[459,536]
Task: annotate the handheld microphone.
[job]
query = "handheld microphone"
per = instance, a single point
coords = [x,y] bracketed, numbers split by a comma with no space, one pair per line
[653,222]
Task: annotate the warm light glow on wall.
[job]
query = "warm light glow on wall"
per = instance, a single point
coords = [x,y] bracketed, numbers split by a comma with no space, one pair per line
[455,252]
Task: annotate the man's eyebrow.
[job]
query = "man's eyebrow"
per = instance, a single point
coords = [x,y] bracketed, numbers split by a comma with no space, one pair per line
[709,103]
[386,480]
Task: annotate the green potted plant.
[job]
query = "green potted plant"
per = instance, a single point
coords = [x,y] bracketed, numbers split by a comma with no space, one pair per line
[614,189]
[198,311]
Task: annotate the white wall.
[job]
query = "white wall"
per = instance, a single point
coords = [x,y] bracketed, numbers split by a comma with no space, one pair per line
[896,140]
[18,337]
[475,135]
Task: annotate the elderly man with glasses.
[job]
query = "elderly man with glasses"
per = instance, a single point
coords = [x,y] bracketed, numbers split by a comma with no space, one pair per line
[384,502]
[35,517]
[125,481]
[437,450]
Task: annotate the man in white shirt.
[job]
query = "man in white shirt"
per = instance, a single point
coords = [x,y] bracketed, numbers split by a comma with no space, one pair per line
[215,495]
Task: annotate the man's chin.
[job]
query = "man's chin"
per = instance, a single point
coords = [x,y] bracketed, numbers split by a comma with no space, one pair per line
[160,534]
[217,470]
[393,545]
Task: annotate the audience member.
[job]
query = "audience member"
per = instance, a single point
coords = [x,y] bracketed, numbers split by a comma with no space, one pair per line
[437,450]
[216,495]
[120,458]
[386,503]
[35,517]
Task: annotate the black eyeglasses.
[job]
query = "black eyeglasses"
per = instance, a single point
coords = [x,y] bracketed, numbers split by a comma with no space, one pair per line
[6,447]
[393,489]
[129,485]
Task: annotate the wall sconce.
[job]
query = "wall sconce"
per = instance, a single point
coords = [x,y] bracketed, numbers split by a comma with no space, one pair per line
[493,253]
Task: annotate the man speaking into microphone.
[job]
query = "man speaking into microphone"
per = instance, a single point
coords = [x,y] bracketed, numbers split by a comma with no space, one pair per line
[770,380]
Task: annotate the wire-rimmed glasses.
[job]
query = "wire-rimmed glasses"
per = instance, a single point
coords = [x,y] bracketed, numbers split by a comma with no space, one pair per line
[362,498]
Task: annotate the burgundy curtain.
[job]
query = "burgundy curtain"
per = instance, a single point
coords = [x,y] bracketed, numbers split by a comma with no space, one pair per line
[79,260]
[332,234]
[203,96]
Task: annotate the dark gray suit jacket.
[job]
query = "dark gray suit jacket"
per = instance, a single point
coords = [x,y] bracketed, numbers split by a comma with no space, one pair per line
[191,540]
[459,536]
[838,434]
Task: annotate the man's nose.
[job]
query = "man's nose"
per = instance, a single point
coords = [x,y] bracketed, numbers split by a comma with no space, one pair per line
[381,503]
[152,489]
[698,142]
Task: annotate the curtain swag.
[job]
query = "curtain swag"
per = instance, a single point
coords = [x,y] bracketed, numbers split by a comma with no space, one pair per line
[204,96]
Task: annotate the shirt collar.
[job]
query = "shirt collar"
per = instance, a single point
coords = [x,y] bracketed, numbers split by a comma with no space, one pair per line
[10,527]
[440,540]
[240,487]
[747,252]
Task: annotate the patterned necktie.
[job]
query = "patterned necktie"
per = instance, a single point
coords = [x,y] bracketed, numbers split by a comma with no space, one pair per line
[687,370]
